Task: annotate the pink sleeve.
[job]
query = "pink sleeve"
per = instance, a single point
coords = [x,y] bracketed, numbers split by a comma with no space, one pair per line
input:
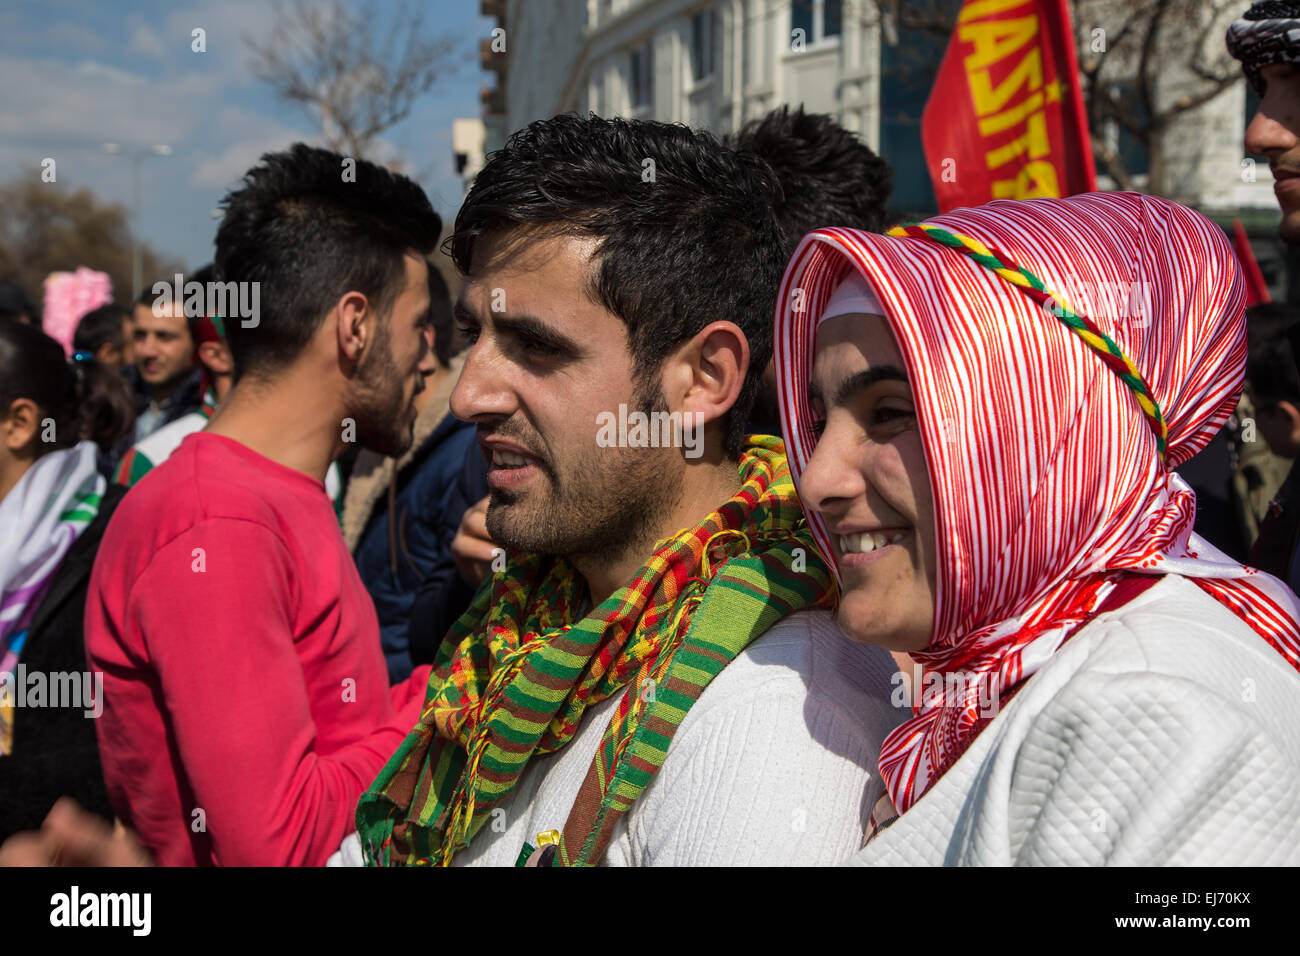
[408,695]
[215,611]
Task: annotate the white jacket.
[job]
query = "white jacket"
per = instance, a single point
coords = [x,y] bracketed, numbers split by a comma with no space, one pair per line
[1166,732]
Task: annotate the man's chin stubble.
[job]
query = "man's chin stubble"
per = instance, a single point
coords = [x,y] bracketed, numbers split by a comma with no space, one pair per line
[625,530]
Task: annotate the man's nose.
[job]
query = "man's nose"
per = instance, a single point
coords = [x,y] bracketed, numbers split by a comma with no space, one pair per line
[1266,135]
[482,391]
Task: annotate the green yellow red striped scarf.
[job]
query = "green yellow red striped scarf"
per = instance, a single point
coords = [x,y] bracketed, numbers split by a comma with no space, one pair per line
[517,671]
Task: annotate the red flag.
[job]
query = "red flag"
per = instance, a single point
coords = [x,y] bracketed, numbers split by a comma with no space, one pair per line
[1256,288]
[1005,119]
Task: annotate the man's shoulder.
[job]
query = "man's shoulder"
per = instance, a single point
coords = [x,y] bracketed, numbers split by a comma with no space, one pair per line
[804,656]
[197,483]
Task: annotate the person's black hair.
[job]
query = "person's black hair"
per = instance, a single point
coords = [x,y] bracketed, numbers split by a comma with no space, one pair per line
[310,225]
[1271,363]
[829,177]
[101,326]
[85,399]
[15,303]
[440,316]
[695,242]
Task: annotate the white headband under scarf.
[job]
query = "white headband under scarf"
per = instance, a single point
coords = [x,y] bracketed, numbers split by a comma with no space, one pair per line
[853,296]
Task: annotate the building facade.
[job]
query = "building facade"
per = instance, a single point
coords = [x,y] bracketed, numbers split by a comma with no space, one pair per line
[717,64]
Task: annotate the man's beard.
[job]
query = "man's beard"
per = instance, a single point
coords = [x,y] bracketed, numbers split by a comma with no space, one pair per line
[382,422]
[605,503]
[1289,228]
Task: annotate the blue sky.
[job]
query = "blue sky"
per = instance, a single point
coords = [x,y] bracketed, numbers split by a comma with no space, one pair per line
[77,74]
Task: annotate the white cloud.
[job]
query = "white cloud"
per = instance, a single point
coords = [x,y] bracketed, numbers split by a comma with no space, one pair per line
[146,42]
[45,104]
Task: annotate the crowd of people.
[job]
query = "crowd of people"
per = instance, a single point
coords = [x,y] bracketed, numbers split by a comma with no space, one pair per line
[964,571]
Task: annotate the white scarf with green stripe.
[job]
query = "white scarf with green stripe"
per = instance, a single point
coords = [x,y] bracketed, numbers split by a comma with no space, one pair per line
[40,518]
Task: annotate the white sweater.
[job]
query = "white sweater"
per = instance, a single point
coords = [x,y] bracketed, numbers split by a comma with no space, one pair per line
[775,764]
[1166,732]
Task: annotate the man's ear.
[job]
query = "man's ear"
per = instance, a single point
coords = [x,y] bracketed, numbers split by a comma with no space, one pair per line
[705,374]
[354,324]
[216,358]
[108,353]
[1291,413]
[21,425]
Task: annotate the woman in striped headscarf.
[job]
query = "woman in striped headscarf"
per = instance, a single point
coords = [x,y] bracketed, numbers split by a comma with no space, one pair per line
[983,413]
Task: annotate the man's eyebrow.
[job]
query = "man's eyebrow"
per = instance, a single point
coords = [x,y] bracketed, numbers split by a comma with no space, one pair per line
[860,382]
[531,327]
[525,326]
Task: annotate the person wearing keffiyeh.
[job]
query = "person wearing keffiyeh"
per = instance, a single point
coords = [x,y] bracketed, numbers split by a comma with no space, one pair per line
[1267,42]
[980,396]
[651,675]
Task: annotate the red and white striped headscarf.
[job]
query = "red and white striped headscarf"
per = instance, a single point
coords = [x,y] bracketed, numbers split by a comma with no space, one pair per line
[1047,484]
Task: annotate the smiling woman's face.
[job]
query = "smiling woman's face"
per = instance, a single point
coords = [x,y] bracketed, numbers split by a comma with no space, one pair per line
[868,480]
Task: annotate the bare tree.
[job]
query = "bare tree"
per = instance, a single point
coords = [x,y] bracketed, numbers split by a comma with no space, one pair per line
[50,228]
[332,61]
[1142,64]
[1157,60]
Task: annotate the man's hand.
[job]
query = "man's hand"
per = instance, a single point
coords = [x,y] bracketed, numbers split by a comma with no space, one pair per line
[473,549]
[72,837]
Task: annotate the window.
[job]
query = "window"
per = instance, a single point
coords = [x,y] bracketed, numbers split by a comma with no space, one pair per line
[746,44]
[1133,155]
[642,75]
[816,20]
[595,99]
[832,17]
[801,19]
[702,30]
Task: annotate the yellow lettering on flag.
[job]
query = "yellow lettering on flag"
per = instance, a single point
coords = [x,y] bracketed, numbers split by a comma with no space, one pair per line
[995,40]
[989,100]
[984,8]
[1034,142]
[1036,181]
[1000,122]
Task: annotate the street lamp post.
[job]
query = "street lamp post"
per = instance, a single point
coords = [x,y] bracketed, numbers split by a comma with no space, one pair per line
[137,156]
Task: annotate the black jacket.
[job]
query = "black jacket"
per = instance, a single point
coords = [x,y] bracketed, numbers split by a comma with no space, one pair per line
[55,751]
[188,397]
[1277,550]
[444,595]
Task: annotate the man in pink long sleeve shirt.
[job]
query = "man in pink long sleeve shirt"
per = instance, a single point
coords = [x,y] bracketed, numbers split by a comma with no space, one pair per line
[246,702]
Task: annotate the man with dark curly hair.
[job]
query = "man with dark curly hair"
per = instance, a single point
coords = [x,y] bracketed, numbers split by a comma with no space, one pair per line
[651,674]
[1267,42]
[828,177]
